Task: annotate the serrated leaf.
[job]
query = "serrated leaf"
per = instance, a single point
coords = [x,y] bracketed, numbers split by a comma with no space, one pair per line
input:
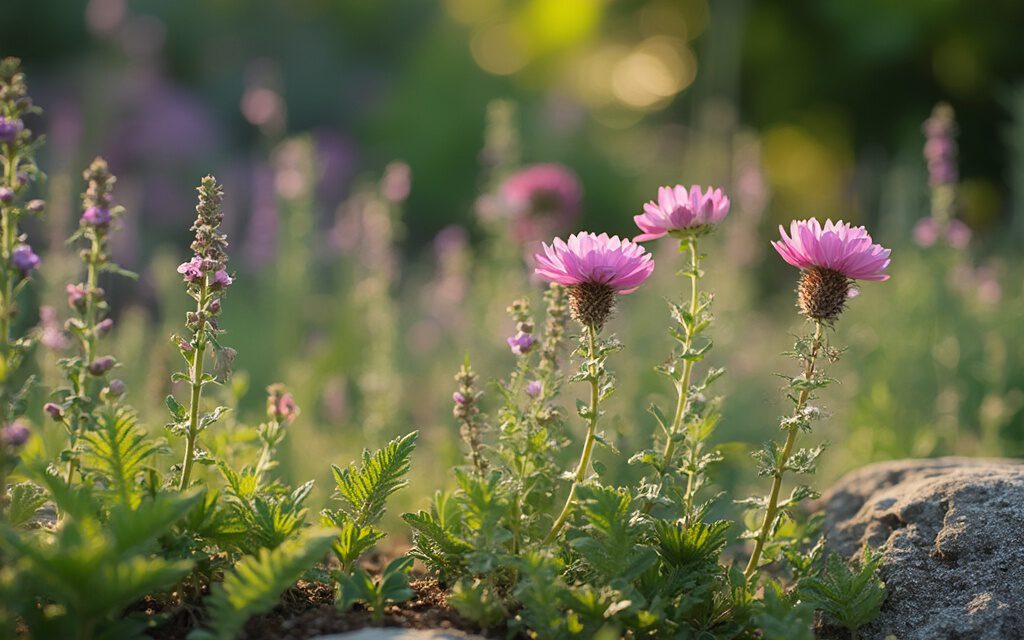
[364,489]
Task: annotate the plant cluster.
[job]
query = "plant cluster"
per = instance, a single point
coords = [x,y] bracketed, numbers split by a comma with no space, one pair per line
[86,536]
[532,547]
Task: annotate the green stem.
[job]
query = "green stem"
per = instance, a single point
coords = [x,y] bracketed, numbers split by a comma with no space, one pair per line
[9,231]
[683,386]
[588,444]
[196,388]
[771,511]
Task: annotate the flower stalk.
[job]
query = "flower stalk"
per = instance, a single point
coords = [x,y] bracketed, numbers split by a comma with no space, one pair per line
[792,428]
[594,375]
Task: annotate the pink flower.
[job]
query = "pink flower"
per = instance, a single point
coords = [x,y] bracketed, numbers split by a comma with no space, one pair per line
[521,343]
[586,258]
[540,198]
[681,212]
[837,246]
[192,270]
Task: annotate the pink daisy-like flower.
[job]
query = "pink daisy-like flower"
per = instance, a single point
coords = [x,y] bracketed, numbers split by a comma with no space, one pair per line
[831,257]
[540,198]
[595,268]
[682,213]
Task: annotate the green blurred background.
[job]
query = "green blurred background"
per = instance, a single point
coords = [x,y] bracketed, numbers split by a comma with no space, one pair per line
[365,306]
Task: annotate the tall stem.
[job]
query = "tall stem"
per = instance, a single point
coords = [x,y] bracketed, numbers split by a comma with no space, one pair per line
[771,511]
[196,387]
[588,444]
[683,385]
[8,229]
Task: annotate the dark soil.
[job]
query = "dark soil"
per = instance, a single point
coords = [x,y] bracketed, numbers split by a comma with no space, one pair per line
[307,610]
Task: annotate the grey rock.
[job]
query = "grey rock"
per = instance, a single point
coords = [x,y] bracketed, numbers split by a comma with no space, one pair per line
[951,532]
[401,634]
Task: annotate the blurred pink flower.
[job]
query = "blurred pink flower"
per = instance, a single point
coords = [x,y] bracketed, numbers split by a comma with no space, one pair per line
[926,233]
[540,198]
[837,246]
[586,258]
[681,212]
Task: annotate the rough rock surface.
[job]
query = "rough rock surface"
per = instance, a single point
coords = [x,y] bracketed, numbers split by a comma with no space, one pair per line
[951,531]
[400,634]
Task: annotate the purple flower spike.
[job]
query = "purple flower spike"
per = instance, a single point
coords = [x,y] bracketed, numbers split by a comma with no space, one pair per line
[521,343]
[24,259]
[96,216]
[192,270]
[10,128]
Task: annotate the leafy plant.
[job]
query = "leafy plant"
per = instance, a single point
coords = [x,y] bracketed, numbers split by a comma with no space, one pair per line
[363,491]
[257,582]
[848,596]
[391,586]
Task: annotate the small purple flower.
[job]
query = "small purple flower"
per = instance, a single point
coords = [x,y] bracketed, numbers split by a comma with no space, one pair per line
[104,327]
[460,399]
[6,195]
[14,435]
[54,410]
[222,279]
[521,343]
[24,259]
[281,405]
[192,270]
[36,206]
[76,296]
[96,216]
[101,365]
[534,388]
[940,147]
[116,388]
[10,128]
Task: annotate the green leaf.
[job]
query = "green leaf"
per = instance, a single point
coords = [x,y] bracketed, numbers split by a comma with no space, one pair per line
[849,596]
[117,452]
[610,545]
[364,489]
[24,499]
[257,582]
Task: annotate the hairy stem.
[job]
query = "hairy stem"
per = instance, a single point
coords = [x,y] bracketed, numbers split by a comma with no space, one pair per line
[772,509]
[9,231]
[683,385]
[196,387]
[588,444]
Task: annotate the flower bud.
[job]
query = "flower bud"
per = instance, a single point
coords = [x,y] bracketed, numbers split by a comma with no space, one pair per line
[10,128]
[521,343]
[281,406]
[113,390]
[214,307]
[101,365]
[76,296]
[534,388]
[36,206]
[54,410]
[6,195]
[221,279]
[104,327]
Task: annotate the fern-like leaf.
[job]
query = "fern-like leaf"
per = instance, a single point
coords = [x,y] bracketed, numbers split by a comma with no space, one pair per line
[364,489]
[257,582]
[117,453]
[849,596]
[608,545]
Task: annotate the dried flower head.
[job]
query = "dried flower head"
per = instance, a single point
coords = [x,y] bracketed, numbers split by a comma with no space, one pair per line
[681,212]
[595,268]
[831,257]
